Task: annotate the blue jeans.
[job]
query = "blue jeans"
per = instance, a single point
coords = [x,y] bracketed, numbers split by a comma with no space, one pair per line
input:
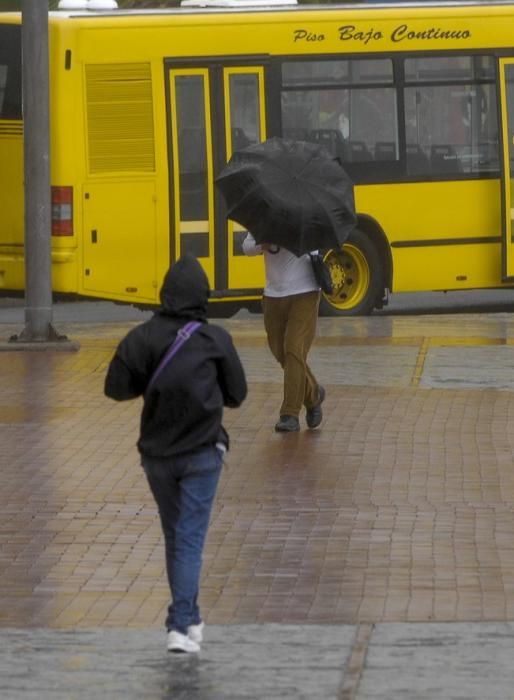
[184,488]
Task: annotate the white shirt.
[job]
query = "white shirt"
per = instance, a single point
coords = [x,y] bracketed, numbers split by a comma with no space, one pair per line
[286,274]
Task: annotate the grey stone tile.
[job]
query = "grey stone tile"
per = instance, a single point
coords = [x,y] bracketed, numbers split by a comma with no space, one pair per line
[447,661]
[243,661]
[484,366]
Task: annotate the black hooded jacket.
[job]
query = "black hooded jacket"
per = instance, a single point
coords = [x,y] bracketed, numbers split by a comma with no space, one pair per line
[184,407]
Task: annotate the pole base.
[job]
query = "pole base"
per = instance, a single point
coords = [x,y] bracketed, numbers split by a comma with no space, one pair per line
[52,340]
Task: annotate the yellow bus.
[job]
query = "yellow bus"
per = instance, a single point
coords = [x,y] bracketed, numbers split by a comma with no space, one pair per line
[146,107]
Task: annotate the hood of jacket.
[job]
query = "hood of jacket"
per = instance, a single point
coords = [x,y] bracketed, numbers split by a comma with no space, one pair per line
[185,289]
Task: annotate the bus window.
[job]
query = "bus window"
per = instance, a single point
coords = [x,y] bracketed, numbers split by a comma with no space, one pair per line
[448,68]
[317,72]
[3,83]
[347,106]
[10,72]
[454,126]
[192,156]
[509,85]
[245,124]
[244,109]
[372,117]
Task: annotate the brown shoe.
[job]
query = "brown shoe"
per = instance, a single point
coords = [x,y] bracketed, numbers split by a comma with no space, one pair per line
[315,414]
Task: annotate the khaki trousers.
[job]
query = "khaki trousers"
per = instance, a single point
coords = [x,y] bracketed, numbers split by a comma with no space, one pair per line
[290,324]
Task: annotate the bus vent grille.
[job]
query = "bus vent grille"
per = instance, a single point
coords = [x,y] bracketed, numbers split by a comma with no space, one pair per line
[120,130]
[11,128]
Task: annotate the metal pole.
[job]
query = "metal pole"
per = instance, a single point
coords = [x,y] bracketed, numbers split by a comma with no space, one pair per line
[36,130]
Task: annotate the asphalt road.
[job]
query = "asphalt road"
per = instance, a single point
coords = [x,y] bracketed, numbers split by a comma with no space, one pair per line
[465,302]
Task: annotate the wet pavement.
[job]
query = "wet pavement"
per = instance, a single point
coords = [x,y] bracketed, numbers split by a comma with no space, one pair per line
[371,558]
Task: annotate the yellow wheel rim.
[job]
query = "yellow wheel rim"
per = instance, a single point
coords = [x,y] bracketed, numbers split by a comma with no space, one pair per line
[351,277]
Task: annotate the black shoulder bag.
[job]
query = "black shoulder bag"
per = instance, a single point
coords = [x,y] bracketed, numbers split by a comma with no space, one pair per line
[321,273]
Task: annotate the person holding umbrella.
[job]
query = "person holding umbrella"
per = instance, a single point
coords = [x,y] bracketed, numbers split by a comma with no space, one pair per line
[290,305]
[293,198]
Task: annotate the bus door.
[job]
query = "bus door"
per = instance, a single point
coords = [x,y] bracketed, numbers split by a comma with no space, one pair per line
[213,110]
[507,120]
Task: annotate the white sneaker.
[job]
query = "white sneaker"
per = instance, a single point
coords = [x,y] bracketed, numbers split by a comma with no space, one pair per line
[181,643]
[195,632]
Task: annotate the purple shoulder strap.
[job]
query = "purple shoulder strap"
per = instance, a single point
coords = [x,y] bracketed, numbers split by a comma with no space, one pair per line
[182,335]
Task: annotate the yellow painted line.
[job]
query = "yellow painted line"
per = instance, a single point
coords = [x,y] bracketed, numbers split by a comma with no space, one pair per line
[420,362]
[193,226]
[445,341]
[366,340]
[434,341]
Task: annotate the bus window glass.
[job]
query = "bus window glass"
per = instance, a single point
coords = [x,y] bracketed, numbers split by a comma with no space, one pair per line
[10,71]
[509,87]
[373,124]
[347,106]
[449,68]
[485,67]
[451,129]
[3,82]
[310,73]
[372,71]
[192,145]
[356,125]
[244,110]
[314,73]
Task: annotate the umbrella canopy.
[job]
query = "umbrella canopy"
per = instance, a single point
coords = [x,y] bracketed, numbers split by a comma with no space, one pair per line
[290,193]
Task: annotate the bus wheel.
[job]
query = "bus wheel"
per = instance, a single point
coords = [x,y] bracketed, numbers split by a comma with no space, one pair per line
[356,276]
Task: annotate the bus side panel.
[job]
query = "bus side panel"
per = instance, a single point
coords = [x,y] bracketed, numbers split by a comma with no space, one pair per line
[120,240]
[12,268]
[11,156]
[66,148]
[443,235]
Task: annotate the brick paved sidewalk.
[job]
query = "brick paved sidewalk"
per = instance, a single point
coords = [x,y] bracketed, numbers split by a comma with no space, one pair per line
[398,510]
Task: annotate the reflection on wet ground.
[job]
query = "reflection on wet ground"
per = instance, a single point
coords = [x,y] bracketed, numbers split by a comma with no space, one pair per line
[398,509]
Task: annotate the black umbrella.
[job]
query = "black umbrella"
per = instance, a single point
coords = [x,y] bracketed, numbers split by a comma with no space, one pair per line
[290,193]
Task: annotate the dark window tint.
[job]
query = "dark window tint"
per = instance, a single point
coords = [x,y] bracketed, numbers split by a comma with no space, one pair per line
[509,90]
[347,106]
[451,129]
[350,123]
[244,109]
[351,107]
[311,73]
[449,68]
[10,71]
[192,145]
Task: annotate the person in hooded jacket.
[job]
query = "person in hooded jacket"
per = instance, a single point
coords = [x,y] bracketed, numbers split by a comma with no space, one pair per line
[182,439]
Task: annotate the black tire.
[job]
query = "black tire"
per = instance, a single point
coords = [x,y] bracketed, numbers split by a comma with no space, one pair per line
[357,277]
